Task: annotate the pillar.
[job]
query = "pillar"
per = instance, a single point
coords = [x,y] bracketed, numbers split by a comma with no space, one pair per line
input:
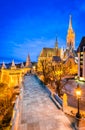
[79,64]
[84,65]
[65,103]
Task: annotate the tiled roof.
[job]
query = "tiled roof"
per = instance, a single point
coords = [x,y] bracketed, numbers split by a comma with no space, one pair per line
[47,52]
[56,58]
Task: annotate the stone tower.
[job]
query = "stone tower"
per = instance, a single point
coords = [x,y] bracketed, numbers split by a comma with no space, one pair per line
[3,66]
[13,66]
[56,43]
[70,40]
[28,62]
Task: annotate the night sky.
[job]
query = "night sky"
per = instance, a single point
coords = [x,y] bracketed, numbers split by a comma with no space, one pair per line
[26,26]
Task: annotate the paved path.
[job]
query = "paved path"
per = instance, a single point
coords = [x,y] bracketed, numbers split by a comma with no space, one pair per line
[38,112]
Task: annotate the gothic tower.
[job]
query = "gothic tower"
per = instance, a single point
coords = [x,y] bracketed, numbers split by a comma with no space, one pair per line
[70,36]
[56,43]
[28,62]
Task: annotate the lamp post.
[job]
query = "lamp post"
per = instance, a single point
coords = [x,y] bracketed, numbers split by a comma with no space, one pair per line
[78,94]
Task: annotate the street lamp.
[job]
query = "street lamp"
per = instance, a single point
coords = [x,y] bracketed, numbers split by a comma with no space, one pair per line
[78,94]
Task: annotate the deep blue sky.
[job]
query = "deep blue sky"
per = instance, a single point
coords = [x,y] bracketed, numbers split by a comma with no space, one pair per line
[26,26]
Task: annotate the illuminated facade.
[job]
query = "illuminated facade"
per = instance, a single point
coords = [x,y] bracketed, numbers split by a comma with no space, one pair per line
[13,75]
[72,65]
[28,62]
[67,55]
[70,36]
[81,59]
[49,53]
[70,43]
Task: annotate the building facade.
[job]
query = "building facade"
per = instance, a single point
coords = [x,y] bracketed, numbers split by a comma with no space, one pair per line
[67,55]
[14,73]
[81,59]
[48,53]
[70,43]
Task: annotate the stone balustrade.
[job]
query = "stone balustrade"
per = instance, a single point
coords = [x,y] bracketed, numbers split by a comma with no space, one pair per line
[16,111]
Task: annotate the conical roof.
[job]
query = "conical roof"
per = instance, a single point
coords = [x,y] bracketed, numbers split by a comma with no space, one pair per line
[28,61]
[22,65]
[3,66]
[70,22]
[13,66]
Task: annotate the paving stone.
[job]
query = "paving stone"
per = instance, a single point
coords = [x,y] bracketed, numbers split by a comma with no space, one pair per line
[37,111]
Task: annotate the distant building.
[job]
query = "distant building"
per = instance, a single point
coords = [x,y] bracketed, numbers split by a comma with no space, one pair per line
[49,53]
[67,55]
[22,65]
[81,59]
[12,75]
[28,62]
[70,42]
[13,66]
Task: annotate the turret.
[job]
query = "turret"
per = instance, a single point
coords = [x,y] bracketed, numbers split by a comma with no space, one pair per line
[28,62]
[22,65]
[3,66]
[13,66]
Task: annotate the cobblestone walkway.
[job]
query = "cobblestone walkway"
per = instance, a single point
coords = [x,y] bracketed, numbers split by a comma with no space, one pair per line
[37,110]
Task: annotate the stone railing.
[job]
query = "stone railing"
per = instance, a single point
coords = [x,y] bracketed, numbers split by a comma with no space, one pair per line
[15,116]
[58,99]
[54,97]
[16,111]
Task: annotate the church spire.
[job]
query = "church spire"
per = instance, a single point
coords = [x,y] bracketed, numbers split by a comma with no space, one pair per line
[70,22]
[56,43]
[70,36]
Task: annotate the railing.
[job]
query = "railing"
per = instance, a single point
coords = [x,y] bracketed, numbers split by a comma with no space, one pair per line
[15,116]
[54,97]
[16,112]
[58,99]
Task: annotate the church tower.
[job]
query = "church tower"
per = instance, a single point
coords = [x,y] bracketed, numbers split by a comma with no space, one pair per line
[56,43]
[28,62]
[70,36]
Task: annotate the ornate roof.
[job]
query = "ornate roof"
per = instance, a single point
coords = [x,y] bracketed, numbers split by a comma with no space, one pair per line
[70,52]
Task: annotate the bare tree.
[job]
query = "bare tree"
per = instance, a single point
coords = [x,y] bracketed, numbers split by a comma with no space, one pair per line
[58,72]
[53,73]
[45,68]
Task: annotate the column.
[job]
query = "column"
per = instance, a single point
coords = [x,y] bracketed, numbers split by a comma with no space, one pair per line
[84,65]
[79,64]
[65,103]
